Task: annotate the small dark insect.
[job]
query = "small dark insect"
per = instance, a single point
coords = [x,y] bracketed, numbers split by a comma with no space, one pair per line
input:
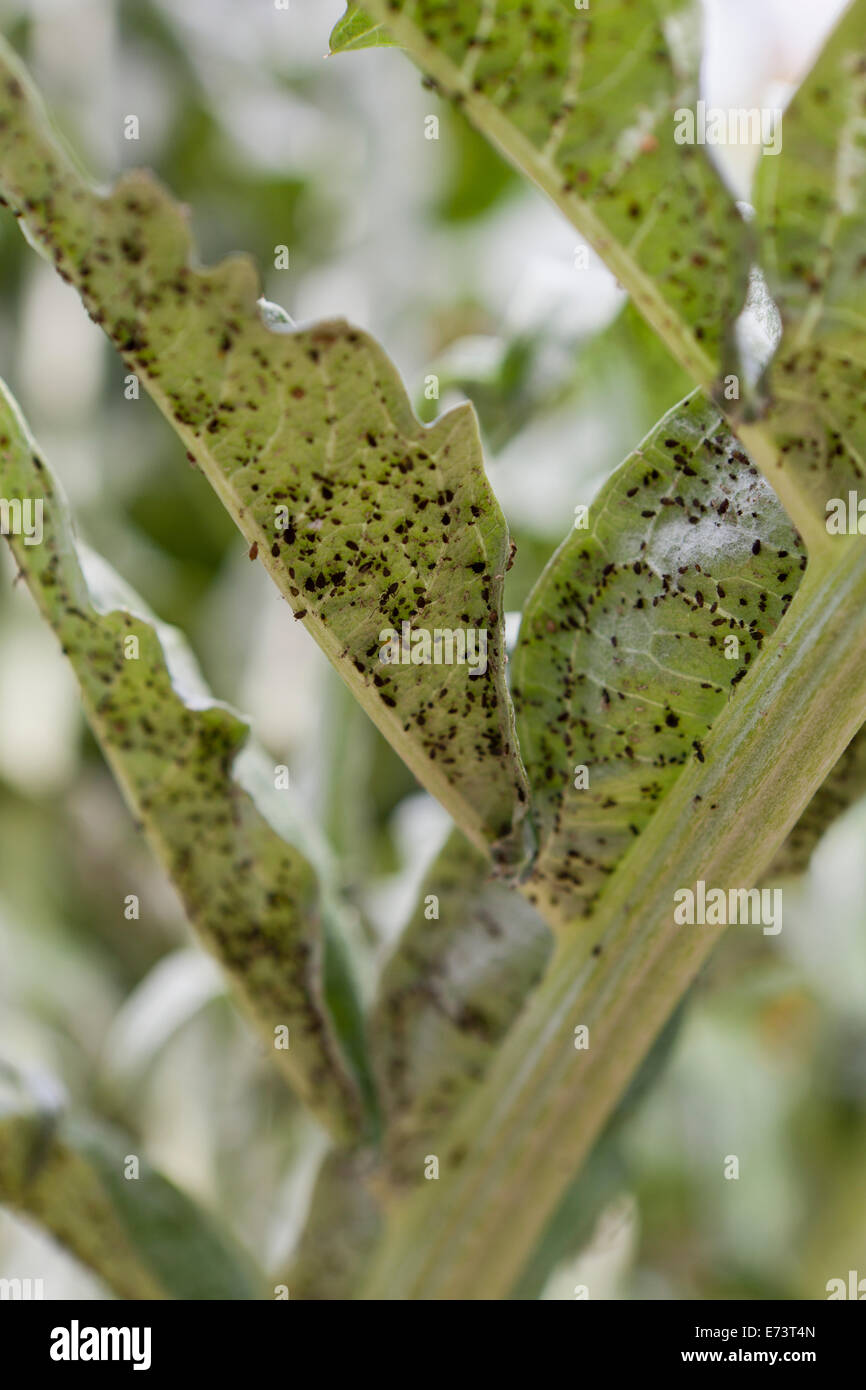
[699,750]
[254,550]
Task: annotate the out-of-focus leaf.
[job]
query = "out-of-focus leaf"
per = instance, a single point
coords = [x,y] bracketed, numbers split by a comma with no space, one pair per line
[143,1236]
[637,635]
[476,178]
[811,206]
[341,1231]
[468,957]
[364,518]
[255,899]
[548,84]
[623,373]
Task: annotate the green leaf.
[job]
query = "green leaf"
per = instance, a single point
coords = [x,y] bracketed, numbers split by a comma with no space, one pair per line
[364,518]
[621,665]
[586,104]
[448,995]
[342,1229]
[143,1236]
[811,207]
[357,30]
[550,87]
[255,900]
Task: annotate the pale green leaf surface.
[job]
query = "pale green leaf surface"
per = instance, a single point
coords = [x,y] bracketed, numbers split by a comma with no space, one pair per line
[254,899]
[446,998]
[386,520]
[620,666]
[584,103]
[144,1237]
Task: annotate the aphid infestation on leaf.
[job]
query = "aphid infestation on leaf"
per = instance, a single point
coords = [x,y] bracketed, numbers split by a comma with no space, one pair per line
[682,704]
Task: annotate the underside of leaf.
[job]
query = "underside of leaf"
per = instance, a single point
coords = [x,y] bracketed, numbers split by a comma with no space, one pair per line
[365,519]
[588,102]
[637,635]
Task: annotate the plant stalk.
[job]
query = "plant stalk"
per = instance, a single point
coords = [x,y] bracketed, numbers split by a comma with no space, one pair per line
[509,1155]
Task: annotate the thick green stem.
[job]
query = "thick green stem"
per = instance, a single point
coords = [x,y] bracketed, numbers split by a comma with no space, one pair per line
[513,1150]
